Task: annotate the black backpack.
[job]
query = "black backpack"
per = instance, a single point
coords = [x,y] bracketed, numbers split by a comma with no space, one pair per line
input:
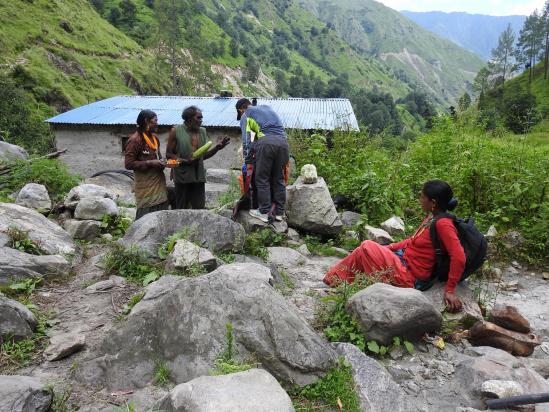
[474,245]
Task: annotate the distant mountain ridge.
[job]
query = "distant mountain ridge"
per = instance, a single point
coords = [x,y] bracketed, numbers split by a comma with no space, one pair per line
[417,56]
[475,32]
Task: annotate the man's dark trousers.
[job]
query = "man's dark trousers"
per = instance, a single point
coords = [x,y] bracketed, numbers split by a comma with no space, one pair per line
[271,155]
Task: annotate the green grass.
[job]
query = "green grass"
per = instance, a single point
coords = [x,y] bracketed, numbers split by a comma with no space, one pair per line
[161,374]
[336,387]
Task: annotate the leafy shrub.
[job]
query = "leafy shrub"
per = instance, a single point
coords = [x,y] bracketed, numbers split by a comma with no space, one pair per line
[132,264]
[115,225]
[51,173]
[498,180]
[256,243]
[20,240]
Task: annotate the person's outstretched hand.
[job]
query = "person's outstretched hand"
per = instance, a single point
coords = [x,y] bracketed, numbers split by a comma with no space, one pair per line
[453,303]
[226,140]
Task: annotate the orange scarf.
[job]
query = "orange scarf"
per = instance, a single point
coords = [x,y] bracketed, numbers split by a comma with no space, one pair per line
[153,145]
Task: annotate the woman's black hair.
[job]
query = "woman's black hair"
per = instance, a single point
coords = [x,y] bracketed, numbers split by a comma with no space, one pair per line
[189,113]
[143,117]
[442,193]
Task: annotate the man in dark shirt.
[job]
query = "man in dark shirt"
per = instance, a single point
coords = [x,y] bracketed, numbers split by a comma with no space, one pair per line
[266,152]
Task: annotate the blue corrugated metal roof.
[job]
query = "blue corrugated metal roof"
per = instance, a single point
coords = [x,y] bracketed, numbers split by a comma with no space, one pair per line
[295,113]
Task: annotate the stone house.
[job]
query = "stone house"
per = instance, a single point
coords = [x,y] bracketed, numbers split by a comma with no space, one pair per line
[95,134]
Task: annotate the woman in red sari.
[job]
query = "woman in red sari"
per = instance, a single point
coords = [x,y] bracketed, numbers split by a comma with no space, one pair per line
[412,260]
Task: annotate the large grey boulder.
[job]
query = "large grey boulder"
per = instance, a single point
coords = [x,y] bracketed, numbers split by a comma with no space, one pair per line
[309,207]
[470,311]
[285,257]
[94,208]
[85,190]
[10,152]
[117,184]
[51,238]
[252,224]
[24,394]
[213,192]
[394,226]
[385,311]
[16,265]
[186,328]
[222,176]
[217,233]
[254,390]
[376,389]
[185,254]
[82,229]
[16,320]
[34,196]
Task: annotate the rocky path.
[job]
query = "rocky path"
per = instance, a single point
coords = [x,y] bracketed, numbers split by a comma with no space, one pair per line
[90,304]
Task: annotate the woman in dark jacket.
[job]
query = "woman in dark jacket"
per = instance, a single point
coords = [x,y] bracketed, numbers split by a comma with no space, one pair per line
[143,156]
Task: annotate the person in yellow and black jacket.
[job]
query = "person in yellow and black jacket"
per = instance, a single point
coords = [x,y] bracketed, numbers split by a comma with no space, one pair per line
[266,153]
[190,175]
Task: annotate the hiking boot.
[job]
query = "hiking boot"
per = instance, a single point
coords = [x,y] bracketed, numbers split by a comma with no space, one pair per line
[264,217]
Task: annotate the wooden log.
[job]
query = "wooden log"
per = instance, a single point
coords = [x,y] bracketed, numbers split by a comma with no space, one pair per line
[489,334]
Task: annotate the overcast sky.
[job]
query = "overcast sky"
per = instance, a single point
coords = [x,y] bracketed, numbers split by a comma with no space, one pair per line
[491,7]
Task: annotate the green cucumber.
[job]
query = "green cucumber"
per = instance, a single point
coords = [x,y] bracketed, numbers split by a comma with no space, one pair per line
[201,151]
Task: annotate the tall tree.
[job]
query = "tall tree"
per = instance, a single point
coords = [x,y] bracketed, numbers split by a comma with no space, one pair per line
[169,34]
[529,43]
[502,55]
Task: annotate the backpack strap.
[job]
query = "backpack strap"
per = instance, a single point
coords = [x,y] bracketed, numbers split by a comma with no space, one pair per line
[433,232]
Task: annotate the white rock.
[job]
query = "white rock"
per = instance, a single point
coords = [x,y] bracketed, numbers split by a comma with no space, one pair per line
[185,254]
[491,233]
[394,226]
[128,212]
[34,196]
[94,208]
[213,192]
[309,174]
[86,190]
[501,389]
[378,235]
[254,390]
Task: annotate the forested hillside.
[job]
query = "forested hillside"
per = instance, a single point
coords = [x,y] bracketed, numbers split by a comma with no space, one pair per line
[438,66]
[63,54]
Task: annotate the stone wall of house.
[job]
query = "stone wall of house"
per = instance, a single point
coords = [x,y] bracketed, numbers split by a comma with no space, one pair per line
[91,149]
